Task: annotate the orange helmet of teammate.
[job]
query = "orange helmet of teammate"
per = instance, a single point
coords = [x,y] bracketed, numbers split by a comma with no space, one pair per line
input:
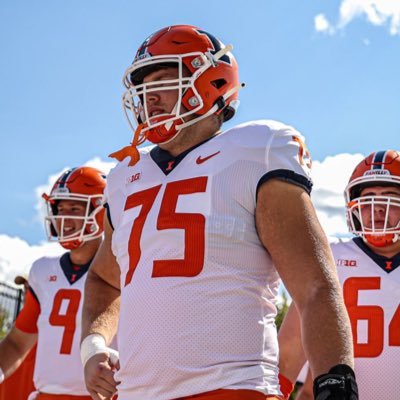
[378,169]
[207,82]
[83,184]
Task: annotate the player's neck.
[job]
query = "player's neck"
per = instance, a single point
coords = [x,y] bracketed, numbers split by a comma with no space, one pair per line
[387,251]
[191,136]
[85,253]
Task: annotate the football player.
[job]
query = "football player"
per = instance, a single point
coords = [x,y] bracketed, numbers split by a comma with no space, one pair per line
[51,316]
[19,384]
[198,228]
[368,271]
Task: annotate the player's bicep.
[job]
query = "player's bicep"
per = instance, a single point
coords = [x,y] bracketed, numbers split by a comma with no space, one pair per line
[289,229]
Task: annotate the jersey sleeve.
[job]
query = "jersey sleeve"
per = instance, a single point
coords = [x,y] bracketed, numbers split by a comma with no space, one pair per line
[27,318]
[106,197]
[108,212]
[114,192]
[288,159]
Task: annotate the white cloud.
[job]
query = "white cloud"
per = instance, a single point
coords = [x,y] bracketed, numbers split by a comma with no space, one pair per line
[321,24]
[17,256]
[377,12]
[330,177]
[333,172]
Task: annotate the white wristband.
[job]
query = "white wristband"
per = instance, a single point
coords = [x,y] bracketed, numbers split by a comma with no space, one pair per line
[2,377]
[91,345]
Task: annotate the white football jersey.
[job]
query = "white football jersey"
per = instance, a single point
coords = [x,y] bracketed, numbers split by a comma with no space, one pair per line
[371,290]
[198,289]
[58,367]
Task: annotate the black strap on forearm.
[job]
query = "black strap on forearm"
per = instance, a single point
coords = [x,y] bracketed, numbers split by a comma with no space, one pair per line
[338,384]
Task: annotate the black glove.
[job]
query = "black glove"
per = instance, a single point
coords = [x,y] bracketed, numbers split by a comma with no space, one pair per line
[338,384]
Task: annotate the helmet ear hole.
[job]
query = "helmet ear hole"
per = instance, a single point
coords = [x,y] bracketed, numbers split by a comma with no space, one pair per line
[218,83]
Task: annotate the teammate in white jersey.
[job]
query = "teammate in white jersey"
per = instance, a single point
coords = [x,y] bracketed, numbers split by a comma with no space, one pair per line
[51,315]
[368,268]
[198,228]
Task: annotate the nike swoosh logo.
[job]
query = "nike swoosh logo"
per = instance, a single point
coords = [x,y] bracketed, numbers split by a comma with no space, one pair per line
[200,160]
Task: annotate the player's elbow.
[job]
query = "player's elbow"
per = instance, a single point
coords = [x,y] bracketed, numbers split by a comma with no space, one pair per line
[322,291]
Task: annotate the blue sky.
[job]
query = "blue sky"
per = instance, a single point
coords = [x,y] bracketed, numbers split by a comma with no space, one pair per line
[329,68]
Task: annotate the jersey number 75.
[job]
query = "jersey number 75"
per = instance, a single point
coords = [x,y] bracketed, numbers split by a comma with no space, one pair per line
[192,223]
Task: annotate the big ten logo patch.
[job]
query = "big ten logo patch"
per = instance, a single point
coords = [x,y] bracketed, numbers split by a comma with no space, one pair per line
[133,178]
[342,262]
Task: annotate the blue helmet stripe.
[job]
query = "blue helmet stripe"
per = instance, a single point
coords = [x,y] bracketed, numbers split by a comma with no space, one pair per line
[65,177]
[378,160]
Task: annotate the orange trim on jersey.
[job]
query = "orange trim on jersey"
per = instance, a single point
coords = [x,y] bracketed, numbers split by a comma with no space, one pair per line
[49,396]
[231,394]
[27,318]
[286,386]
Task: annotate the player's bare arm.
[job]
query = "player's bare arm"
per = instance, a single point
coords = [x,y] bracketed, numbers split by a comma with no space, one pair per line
[291,353]
[306,390]
[289,229]
[14,348]
[100,316]
[103,277]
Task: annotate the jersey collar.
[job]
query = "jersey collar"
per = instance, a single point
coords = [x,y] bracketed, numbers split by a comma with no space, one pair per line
[387,264]
[71,271]
[166,162]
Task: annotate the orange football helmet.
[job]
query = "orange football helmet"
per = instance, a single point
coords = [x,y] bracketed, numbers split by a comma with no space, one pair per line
[207,82]
[378,169]
[84,184]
